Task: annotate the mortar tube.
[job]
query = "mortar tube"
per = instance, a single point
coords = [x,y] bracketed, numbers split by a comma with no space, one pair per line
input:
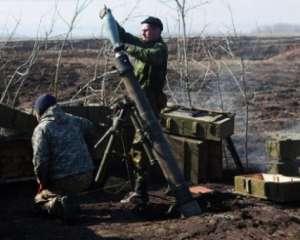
[161,148]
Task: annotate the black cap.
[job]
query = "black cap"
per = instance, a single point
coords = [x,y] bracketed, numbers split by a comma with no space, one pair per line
[43,102]
[154,21]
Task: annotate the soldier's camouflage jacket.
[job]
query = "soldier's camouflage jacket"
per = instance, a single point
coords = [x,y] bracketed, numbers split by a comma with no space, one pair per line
[59,146]
[150,66]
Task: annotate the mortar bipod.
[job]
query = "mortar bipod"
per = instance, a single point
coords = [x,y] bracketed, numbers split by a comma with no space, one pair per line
[124,109]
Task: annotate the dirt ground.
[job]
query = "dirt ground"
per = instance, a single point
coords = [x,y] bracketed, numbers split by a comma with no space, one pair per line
[225,216]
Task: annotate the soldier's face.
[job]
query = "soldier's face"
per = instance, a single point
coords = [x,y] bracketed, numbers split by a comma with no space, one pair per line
[150,33]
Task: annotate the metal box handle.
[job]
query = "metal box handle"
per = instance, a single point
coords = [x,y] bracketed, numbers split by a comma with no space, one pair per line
[247,185]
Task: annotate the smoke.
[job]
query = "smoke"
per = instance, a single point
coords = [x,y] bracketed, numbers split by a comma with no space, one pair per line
[223,94]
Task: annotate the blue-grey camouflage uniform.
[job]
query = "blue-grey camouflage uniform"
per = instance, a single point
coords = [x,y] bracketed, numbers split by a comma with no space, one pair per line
[60,152]
[59,146]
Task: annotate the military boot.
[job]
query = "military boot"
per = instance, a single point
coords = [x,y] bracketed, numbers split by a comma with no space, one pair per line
[71,209]
[64,208]
[139,196]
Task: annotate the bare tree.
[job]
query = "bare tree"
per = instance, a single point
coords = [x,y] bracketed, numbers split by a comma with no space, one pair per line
[20,74]
[23,76]
[49,31]
[78,10]
[5,61]
[182,8]
[11,34]
[241,80]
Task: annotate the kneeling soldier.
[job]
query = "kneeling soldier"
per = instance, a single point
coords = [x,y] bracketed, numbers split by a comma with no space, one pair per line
[61,158]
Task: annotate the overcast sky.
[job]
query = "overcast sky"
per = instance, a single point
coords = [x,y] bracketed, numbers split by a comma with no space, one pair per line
[35,16]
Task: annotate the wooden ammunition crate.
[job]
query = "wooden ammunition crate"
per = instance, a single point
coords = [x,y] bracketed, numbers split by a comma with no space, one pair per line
[200,124]
[274,187]
[198,160]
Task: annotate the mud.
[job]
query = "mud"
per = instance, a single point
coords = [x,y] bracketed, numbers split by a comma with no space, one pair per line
[225,216]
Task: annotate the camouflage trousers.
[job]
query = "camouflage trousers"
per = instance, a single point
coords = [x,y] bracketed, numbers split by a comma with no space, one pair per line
[140,163]
[60,196]
[139,157]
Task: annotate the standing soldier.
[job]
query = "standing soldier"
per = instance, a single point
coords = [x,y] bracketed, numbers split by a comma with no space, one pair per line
[150,67]
[61,159]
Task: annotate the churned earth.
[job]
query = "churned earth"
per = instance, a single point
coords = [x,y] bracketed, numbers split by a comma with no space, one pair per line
[225,216]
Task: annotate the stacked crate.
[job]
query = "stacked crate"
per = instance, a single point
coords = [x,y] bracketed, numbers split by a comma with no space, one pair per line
[284,150]
[281,183]
[196,138]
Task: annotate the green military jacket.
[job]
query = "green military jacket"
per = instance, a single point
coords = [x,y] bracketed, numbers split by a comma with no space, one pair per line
[150,66]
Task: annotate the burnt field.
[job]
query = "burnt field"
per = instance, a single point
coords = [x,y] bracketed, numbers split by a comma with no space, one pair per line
[258,74]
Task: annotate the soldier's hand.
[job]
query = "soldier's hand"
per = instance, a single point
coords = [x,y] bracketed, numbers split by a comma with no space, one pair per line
[103,12]
[125,47]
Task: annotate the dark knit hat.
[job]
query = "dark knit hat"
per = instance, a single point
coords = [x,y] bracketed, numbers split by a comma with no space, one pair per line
[154,21]
[43,102]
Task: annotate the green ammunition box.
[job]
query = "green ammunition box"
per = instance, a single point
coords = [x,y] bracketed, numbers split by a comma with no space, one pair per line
[199,161]
[283,147]
[215,159]
[200,124]
[191,158]
[274,187]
